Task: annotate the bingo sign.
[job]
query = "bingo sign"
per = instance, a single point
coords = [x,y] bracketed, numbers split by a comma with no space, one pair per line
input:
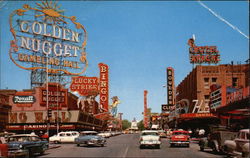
[203,54]
[43,35]
[85,86]
[104,85]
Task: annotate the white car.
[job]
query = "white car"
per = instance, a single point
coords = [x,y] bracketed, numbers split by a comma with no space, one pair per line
[239,144]
[105,134]
[64,137]
[150,138]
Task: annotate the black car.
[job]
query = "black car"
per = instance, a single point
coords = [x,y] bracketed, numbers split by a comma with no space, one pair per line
[26,145]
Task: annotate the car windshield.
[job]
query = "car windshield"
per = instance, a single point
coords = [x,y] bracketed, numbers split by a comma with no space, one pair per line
[18,139]
[180,133]
[150,133]
[84,134]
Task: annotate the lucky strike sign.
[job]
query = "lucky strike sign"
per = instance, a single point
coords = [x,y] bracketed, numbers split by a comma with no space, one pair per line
[85,85]
[43,36]
[203,54]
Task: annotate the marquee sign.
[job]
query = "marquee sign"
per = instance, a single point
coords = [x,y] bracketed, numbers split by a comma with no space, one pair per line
[44,36]
[85,85]
[203,54]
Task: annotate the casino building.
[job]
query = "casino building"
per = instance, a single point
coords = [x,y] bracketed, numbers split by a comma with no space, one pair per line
[193,93]
[28,110]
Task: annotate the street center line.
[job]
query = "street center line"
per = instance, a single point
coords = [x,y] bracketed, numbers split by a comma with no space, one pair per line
[125,152]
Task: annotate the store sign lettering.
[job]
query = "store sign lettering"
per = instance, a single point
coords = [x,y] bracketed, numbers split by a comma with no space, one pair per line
[170,86]
[23,99]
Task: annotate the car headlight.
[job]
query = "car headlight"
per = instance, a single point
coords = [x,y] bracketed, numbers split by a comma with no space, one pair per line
[20,146]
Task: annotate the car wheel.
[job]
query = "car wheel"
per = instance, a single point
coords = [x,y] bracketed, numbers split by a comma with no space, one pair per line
[201,148]
[214,148]
[171,145]
[77,144]
[158,146]
[141,146]
[188,146]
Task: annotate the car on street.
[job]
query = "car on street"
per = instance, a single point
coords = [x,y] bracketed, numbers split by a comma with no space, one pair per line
[179,138]
[3,148]
[239,144]
[150,138]
[90,138]
[64,137]
[26,145]
[216,140]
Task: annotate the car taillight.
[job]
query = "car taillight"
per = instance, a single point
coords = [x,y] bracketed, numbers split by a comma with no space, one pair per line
[141,139]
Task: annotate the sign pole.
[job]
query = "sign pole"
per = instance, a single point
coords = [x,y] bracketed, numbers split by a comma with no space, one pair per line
[47,94]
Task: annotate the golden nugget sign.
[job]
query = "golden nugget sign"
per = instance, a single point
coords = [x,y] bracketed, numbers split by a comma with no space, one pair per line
[44,36]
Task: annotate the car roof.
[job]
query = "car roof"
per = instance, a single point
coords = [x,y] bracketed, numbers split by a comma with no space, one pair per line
[88,132]
[23,135]
[149,131]
[245,130]
[180,131]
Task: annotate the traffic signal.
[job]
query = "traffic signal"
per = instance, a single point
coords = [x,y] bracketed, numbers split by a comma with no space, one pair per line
[49,113]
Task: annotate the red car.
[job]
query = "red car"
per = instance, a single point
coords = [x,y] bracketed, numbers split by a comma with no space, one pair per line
[3,148]
[180,138]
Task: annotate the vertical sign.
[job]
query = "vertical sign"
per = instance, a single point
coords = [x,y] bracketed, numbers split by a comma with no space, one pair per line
[170,86]
[145,109]
[104,86]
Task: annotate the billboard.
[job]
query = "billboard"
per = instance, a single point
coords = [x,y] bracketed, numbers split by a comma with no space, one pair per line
[45,38]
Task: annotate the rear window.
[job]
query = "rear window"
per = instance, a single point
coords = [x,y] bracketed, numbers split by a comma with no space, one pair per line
[180,133]
[150,133]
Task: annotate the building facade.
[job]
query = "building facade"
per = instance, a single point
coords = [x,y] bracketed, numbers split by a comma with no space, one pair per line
[193,93]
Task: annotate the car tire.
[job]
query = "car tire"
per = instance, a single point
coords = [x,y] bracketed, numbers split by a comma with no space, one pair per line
[188,145]
[77,144]
[171,145]
[158,146]
[214,148]
[201,148]
[141,146]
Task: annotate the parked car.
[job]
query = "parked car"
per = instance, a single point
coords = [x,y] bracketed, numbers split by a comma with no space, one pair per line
[3,148]
[64,137]
[150,138]
[180,138]
[26,145]
[105,134]
[216,140]
[90,138]
[239,144]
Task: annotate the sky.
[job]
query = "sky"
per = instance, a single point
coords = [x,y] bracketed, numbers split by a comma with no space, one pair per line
[138,40]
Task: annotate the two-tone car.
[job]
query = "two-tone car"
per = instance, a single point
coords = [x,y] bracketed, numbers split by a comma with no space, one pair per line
[180,138]
[150,138]
[90,138]
[26,145]
[64,137]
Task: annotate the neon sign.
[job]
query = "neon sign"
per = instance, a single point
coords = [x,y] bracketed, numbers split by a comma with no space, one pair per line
[203,54]
[44,36]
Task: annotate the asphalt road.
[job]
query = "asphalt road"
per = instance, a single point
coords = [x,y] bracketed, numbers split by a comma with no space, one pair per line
[127,145]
